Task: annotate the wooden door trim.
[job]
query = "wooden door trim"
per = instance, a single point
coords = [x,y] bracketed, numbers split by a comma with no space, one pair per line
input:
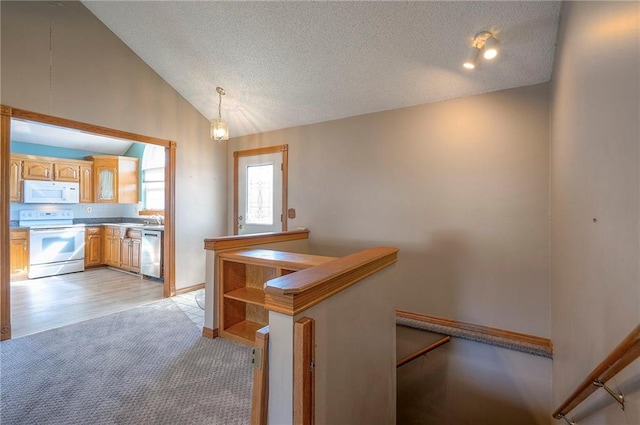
[285,179]
[5,152]
[5,287]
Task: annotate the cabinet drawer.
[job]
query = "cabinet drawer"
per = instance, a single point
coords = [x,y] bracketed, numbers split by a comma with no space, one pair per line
[19,234]
[134,234]
[92,230]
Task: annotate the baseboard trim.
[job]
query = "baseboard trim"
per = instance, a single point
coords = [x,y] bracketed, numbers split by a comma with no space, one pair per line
[190,288]
[209,333]
[525,343]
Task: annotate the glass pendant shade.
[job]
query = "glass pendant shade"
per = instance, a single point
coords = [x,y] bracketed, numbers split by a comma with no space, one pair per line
[219,129]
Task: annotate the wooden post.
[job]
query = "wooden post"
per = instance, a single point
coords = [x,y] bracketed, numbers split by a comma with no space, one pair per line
[304,372]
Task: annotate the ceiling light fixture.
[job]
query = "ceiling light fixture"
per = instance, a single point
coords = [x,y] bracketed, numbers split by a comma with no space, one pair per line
[219,127]
[483,41]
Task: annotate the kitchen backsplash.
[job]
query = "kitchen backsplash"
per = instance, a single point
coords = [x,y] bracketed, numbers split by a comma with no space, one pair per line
[80,210]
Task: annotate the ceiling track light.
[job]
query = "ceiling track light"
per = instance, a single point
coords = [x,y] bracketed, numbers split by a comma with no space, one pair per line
[484,42]
[219,127]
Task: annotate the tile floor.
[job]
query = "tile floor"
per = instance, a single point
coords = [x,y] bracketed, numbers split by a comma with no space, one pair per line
[187,302]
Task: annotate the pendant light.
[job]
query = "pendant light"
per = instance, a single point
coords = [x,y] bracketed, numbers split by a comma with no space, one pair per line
[219,127]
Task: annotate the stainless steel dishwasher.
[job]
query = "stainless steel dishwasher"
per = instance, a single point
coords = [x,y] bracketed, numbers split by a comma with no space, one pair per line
[151,253]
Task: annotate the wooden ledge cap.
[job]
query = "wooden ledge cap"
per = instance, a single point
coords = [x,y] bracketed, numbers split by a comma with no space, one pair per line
[240,241]
[293,293]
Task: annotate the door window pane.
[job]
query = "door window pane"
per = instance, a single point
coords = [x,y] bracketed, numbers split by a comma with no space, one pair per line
[260,194]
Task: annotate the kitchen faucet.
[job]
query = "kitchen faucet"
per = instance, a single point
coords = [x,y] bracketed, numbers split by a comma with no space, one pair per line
[157,218]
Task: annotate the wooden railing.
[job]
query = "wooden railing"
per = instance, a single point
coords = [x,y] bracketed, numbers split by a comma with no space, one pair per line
[487,335]
[423,351]
[621,356]
[294,293]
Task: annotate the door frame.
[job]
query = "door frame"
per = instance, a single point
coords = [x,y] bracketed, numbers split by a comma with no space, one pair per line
[6,113]
[285,173]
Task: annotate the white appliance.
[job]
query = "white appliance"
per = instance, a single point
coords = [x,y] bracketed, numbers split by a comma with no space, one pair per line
[56,245]
[44,192]
[151,253]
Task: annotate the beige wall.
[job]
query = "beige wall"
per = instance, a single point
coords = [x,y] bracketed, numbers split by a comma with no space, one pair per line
[97,79]
[461,187]
[595,278]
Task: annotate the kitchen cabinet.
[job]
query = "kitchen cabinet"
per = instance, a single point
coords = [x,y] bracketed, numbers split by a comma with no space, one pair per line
[111,246]
[115,179]
[34,169]
[130,251]
[15,180]
[19,253]
[241,278]
[86,184]
[93,246]
[66,172]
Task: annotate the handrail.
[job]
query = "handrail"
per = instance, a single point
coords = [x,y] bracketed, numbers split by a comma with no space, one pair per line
[621,356]
[423,351]
[293,293]
[503,338]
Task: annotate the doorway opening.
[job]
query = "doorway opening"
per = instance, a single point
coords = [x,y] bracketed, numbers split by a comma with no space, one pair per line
[260,190]
[163,204]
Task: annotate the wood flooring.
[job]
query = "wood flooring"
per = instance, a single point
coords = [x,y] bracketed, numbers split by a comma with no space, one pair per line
[55,301]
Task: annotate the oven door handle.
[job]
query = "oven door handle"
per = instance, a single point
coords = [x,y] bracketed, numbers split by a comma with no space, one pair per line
[57,230]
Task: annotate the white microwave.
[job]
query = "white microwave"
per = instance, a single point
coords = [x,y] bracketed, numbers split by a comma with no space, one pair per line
[44,192]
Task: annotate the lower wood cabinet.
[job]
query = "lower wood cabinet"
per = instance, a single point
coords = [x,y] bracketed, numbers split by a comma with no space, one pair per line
[111,246]
[19,253]
[122,248]
[130,247]
[93,246]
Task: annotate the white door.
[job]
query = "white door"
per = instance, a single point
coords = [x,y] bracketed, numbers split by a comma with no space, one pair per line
[260,193]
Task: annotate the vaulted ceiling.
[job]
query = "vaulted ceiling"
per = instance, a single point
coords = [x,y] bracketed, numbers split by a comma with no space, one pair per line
[285,64]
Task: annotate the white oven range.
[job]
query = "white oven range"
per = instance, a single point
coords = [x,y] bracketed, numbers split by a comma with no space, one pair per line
[56,245]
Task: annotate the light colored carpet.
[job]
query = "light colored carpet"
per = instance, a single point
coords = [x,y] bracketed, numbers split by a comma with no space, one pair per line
[147,365]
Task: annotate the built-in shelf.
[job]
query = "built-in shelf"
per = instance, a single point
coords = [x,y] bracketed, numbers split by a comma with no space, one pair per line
[245,330]
[241,278]
[247,295]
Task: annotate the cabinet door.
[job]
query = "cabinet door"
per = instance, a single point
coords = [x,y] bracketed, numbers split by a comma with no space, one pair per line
[18,258]
[86,184]
[36,170]
[106,183]
[125,254]
[115,250]
[93,247]
[15,180]
[64,172]
[136,250]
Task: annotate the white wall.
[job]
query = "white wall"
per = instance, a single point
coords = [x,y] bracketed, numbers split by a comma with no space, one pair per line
[461,187]
[98,80]
[595,185]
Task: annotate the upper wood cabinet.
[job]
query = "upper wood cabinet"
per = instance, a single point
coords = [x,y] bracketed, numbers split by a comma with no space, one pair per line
[15,180]
[86,184]
[33,169]
[66,172]
[115,179]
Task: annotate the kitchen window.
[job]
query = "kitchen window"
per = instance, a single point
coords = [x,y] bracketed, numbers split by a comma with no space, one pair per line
[153,178]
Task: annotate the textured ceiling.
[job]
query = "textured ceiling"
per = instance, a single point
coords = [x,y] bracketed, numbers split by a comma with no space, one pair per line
[285,64]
